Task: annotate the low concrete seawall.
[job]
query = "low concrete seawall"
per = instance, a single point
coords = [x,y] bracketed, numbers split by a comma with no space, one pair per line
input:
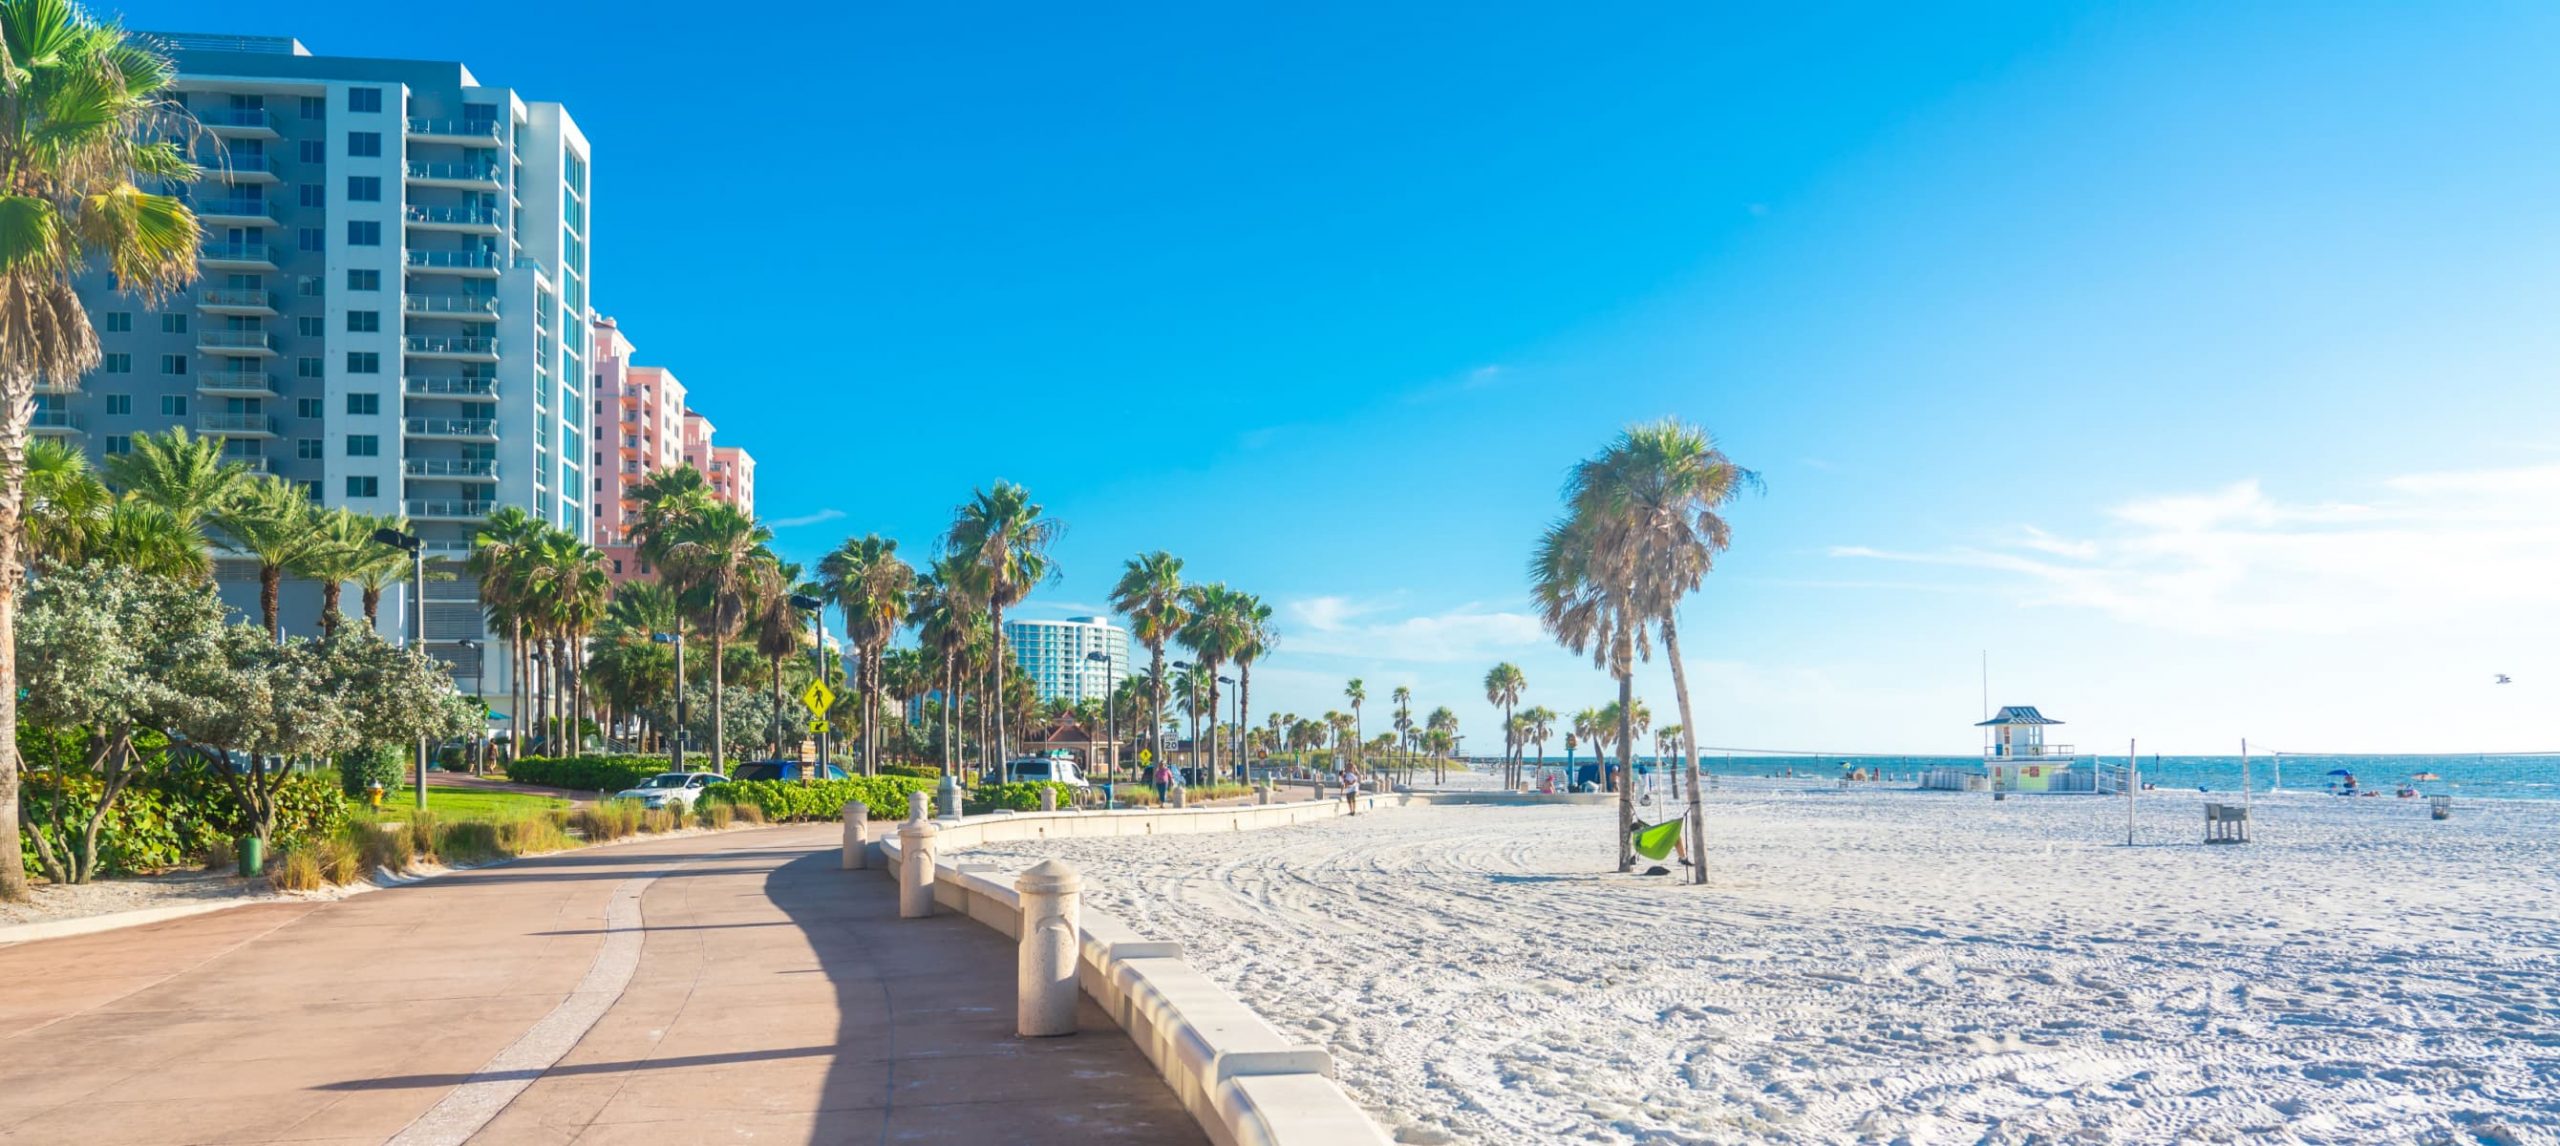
[1246,1082]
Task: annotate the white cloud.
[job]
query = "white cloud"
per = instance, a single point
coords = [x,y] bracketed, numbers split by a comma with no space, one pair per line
[2428,548]
[805,519]
[1338,626]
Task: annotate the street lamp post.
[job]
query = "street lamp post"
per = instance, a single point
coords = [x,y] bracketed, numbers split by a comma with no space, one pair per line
[417,551]
[1213,717]
[1236,746]
[1110,712]
[677,639]
[479,738]
[816,607]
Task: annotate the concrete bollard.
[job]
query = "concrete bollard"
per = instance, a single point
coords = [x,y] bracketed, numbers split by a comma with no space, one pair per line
[857,825]
[1045,963]
[916,802]
[1181,796]
[1048,799]
[915,868]
[949,791]
[1262,795]
[1319,791]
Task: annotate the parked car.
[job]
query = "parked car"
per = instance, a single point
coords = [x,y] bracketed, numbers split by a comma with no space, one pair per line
[1024,769]
[670,789]
[786,770]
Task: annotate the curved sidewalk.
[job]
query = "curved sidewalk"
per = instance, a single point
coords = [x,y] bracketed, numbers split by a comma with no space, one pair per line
[729,987]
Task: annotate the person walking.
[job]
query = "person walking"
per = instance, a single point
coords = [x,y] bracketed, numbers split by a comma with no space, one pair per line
[1349,778]
[1164,783]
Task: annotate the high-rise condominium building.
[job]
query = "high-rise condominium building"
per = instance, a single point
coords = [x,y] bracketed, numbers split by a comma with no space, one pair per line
[392,312]
[1053,655]
[643,427]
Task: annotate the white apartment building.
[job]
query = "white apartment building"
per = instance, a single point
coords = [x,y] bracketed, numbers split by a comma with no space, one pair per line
[1053,655]
[392,312]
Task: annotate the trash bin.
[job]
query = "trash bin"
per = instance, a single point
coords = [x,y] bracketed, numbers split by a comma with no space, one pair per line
[253,856]
[2439,807]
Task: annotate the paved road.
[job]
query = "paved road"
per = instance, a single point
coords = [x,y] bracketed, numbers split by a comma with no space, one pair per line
[730,987]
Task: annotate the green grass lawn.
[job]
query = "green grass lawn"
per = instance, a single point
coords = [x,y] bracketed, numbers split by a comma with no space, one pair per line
[468,803]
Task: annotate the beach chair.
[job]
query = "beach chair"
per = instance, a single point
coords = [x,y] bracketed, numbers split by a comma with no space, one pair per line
[2226,824]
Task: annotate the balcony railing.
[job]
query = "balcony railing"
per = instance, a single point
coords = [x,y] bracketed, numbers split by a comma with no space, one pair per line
[228,423]
[456,172]
[434,507]
[236,167]
[482,259]
[237,298]
[454,427]
[235,340]
[452,467]
[237,253]
[456,216]
[243,382]
[460,304]
[452,387]
[59,420]
[2027,752]
[236,117]
[470,128]
[235,208]
[450,344]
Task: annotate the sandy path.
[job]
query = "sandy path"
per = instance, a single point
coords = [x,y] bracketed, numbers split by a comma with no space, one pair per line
[1897,966]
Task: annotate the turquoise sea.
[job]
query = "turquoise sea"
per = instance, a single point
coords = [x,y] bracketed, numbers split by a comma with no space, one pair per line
[2522,777]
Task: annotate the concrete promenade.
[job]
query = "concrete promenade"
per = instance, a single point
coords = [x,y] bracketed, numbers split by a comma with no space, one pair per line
[714,988]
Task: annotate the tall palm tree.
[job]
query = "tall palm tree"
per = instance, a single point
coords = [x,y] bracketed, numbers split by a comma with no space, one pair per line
[1502,686]
[82,119]
[871,583]
[381,567]
[1442,726]
[1005,538]
[272,521]
[141,536]
[1149,593]
[631,667]
[66,504]
[1358,694]
[344,543]
[184,476]
[1255,638]
[1216,628]
[498,555]
[1539,723]
[947,622]
[1652,503]
[1586,598]
[778,632]
[1404,719]
[667,499]
[719,552]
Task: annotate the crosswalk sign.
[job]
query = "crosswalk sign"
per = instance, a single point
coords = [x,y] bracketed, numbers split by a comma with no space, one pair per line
[818,697]
[817,726]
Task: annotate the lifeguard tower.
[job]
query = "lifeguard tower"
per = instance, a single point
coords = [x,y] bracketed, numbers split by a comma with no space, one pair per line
[2018,759]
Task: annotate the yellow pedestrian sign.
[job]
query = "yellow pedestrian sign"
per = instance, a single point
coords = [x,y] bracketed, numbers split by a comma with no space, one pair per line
[817,726]
[818,697]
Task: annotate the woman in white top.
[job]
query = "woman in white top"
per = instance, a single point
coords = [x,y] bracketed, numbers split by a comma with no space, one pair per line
[1349,778]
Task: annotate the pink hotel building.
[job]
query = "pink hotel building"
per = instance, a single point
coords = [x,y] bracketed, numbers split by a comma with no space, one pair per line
[642,427]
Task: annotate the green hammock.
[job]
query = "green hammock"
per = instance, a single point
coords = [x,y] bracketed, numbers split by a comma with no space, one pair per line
[1656,841]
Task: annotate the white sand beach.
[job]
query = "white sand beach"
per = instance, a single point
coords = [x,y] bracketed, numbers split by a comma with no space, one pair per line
[1896,966]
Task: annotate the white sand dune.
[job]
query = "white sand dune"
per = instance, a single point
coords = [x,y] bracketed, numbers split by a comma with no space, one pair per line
[1896,966]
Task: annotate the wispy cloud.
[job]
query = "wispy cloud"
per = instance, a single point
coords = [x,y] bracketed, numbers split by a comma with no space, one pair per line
[1480,378]
[2426,547]
[805,519]
[1373,630]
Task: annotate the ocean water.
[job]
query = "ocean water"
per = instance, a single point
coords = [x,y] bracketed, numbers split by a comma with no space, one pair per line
[2534,777]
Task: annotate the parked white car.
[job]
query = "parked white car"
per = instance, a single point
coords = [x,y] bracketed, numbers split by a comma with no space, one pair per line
[670,789]
[1024,769]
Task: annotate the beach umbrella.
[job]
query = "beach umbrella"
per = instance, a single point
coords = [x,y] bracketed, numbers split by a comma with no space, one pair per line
[2426,776]
[2340,772]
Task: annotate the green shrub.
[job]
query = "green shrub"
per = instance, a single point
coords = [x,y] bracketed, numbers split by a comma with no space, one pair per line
[925,771]
[219,856]
[468,841]
[1022,796]
[369,767]
[787,801]
[172,816]
[588,773]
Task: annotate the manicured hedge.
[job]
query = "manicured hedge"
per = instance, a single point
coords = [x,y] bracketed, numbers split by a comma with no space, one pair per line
[1017,797]
[169,818]
[781,800]
[588,773]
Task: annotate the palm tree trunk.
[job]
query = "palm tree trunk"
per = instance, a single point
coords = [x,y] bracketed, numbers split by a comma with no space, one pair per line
[719,720]
[777,704]
[373,608]
[1155,705]
[329,591]
[270,587]
[1244,704]
[515,687]
[995,613]
[16,412]
[1626,791]
[1697,825]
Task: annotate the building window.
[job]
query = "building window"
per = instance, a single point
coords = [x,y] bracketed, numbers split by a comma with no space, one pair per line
[173,405]
[364,99]
[119,403]
[117,321]
[118,363]
[306,368]
[360,486]
[308,449]
[364,233]
[312,195]
[310,238]
[313,107]
[364,402]
[306,286]
[173,324]
[363,446]
[118,444]
[364,144]
[364,280]
[310,489]
[364,321]
[173,363]
[363,362]
[314,151]
[306,408]
[307,325]
[364,188]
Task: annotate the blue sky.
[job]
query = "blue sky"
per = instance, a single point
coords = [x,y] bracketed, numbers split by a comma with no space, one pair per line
[2194,361]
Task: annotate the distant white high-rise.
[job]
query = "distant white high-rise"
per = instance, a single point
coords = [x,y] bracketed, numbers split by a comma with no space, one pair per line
[1053,655]
[392,312]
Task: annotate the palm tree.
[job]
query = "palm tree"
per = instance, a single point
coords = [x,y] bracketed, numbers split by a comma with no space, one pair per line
[1538,723]
[871,583]
[630,667]
[947,622]
[1442,726]
[1195,690]
[1150,594]
[1650,504]
[1005,541]
[66,504]
[1404,719]
[1358,694]
[381,566]
[1586,598]
[1255,638]
[82,118]
[273,521]
[719,552]
[1502,686]
[1665,739]
[777,629]
[667,500]
[183,476]
[145,537]
[1216,629]
[498,554]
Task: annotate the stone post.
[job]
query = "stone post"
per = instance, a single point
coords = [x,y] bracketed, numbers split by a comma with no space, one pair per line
[915,807]
[1048,798]
[1181,796]
[949,790]
[915,867]
[1045,965]
[857,827]
[1319,791]
[1262,795]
